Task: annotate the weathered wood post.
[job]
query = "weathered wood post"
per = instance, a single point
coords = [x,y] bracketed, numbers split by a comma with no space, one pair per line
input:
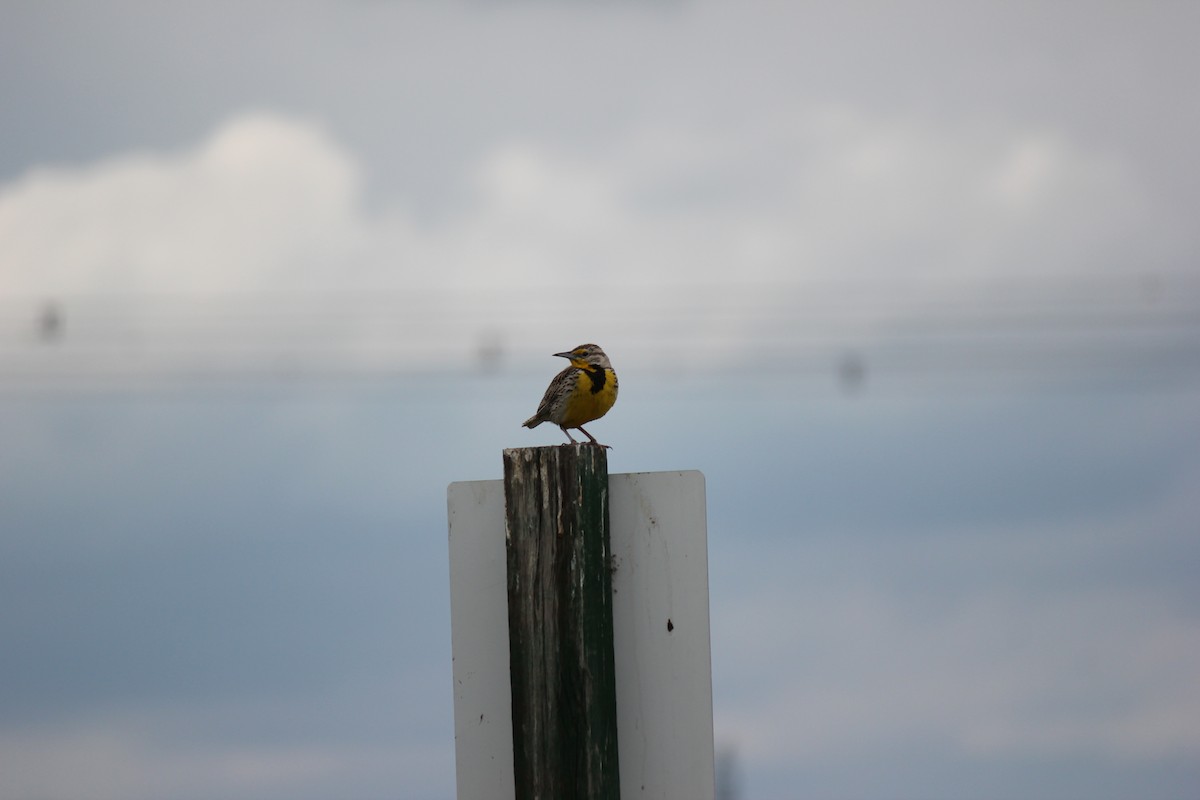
[564,707]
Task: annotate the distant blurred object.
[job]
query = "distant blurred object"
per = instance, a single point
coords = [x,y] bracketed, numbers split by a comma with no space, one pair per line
[490,351]
[851,372]
[50,323]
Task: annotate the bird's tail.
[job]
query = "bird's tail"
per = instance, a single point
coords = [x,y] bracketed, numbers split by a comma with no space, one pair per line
[533,422]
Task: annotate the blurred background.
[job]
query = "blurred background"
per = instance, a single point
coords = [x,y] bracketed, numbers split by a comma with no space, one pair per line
[914,285]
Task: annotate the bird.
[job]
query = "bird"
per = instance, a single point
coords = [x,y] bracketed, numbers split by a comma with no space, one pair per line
[582,392]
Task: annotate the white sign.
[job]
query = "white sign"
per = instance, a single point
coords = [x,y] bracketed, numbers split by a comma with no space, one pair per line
[661,643]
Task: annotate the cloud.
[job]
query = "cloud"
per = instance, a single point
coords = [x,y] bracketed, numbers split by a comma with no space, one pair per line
[823,192]
[264,201]
[816,231]
[736,186]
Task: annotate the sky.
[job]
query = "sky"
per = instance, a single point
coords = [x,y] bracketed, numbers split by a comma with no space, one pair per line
[915,286]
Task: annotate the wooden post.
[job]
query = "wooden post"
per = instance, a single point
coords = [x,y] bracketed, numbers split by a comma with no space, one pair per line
[663,673]
[564,707]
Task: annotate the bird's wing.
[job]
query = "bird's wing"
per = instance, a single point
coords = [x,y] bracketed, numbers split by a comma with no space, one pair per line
[562,385]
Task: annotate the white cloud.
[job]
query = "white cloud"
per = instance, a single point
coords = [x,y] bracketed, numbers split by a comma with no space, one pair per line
[830,222]
[822,193]
[262,203]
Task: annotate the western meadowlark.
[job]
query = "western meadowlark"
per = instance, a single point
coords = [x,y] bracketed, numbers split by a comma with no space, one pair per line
[582,392]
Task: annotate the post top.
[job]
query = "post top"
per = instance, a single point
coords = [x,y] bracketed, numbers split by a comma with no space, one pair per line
[577,448]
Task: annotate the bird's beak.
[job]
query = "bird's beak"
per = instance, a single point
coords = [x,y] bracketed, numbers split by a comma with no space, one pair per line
[568,355]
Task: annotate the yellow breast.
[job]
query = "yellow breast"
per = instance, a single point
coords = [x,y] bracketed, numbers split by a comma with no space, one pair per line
[584,405]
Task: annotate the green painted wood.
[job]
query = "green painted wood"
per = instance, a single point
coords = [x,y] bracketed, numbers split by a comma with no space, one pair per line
[560,632]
